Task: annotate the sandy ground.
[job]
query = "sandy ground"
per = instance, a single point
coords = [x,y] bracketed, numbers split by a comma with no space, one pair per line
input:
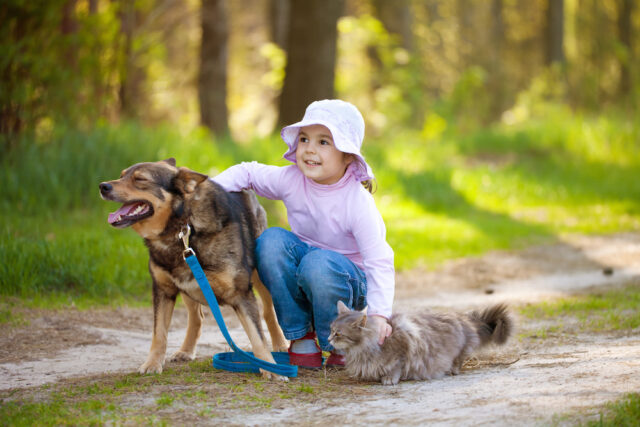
[526,382]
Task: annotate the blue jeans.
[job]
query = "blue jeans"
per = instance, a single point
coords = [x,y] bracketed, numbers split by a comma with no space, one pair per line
[306,283]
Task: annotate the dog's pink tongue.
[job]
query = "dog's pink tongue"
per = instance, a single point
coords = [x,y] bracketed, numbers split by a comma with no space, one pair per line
[123,211]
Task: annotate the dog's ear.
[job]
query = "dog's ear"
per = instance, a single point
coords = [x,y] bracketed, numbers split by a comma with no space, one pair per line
[171,161]
[187,180]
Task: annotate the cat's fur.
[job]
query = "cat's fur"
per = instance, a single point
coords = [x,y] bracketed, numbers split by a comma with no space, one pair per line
[421,346]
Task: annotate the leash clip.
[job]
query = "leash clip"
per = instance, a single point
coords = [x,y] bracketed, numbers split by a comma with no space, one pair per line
[184,235]
[187,253]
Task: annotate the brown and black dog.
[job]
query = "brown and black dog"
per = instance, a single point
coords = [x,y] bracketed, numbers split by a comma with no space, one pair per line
[158,200]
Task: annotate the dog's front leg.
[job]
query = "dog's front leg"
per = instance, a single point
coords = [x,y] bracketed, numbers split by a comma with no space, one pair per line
[194,329]
[163,305]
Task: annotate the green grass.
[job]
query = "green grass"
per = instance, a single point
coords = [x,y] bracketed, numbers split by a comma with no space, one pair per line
[190,393]
[456,195]
[56,411]
[622,413]
[615,310]
[604,311]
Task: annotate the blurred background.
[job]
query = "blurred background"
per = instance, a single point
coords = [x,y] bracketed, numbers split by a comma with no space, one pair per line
[248,66]
[491,124]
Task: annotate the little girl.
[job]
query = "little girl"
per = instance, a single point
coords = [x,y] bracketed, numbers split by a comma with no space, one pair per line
[336,249]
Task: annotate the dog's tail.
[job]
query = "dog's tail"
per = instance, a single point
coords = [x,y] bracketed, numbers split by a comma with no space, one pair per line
[494,324]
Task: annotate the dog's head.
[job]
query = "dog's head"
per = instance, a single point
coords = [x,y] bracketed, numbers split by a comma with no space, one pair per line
[150,193]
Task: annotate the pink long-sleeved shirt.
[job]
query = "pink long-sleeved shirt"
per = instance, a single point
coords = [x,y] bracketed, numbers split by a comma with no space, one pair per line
[341,217]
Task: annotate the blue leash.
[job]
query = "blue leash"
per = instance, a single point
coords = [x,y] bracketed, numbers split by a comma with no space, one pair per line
[238,360]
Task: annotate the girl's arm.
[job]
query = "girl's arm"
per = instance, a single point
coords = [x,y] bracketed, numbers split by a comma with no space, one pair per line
[265,180]
[370,234]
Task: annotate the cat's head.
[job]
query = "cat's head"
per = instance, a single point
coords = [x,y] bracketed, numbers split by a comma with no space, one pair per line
[349,329]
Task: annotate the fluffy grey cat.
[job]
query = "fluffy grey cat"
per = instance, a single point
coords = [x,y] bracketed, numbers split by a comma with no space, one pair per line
[421,346]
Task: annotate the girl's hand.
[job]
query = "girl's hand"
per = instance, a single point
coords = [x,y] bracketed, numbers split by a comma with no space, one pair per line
[383,327]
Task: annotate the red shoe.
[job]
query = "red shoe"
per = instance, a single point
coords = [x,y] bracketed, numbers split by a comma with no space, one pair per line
[306,360]
[335,360]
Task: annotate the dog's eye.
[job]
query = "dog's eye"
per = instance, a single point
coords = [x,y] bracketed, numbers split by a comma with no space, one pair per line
[139,178]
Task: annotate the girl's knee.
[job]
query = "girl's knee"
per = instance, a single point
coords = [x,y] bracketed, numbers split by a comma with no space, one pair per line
[315,263]
[320,268]
[272,239]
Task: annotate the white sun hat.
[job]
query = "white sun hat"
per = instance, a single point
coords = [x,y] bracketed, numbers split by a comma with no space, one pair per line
[347,129]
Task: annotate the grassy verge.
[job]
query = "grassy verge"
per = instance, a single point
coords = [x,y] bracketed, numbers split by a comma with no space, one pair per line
[442,197]
[624,412]
[604,311]
[612,311]
[192,393]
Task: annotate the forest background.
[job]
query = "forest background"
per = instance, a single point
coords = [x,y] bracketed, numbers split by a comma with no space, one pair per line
[491,124]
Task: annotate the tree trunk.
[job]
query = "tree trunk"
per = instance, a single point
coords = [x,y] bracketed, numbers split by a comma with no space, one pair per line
[69,26]
[625,30]
[93,7]
[311,56]
[465,18]
[12,70]
[555,32]
[496,81]
[396,18]
[212,82]
[131,74]
[279,11]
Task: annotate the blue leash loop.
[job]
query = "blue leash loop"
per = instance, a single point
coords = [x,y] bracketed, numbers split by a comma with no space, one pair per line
[238,360]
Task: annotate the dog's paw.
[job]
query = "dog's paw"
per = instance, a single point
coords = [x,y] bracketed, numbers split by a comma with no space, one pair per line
[151,367]
[280,345]
[182,356]
[273,377]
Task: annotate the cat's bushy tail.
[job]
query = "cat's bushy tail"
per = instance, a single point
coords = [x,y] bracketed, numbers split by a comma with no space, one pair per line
[494,324]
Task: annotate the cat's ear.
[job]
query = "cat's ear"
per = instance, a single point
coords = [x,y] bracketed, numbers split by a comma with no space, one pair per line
[342,308]
[363,321]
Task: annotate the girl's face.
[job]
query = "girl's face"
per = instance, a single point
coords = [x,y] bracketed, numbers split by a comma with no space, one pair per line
[318,158]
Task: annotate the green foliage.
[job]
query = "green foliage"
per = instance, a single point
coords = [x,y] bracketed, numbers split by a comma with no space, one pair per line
[612,310]
[377,74]
[49,75]
[442,194]
[70,259]
[193,392]
[56,243]
[622,413]
[165,400]
[505,186]
[56,412]
[468,104]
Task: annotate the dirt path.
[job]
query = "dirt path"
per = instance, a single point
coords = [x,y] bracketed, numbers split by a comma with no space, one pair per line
[527,381]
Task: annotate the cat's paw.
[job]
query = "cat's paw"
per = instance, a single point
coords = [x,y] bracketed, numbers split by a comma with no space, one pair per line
[389,381]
